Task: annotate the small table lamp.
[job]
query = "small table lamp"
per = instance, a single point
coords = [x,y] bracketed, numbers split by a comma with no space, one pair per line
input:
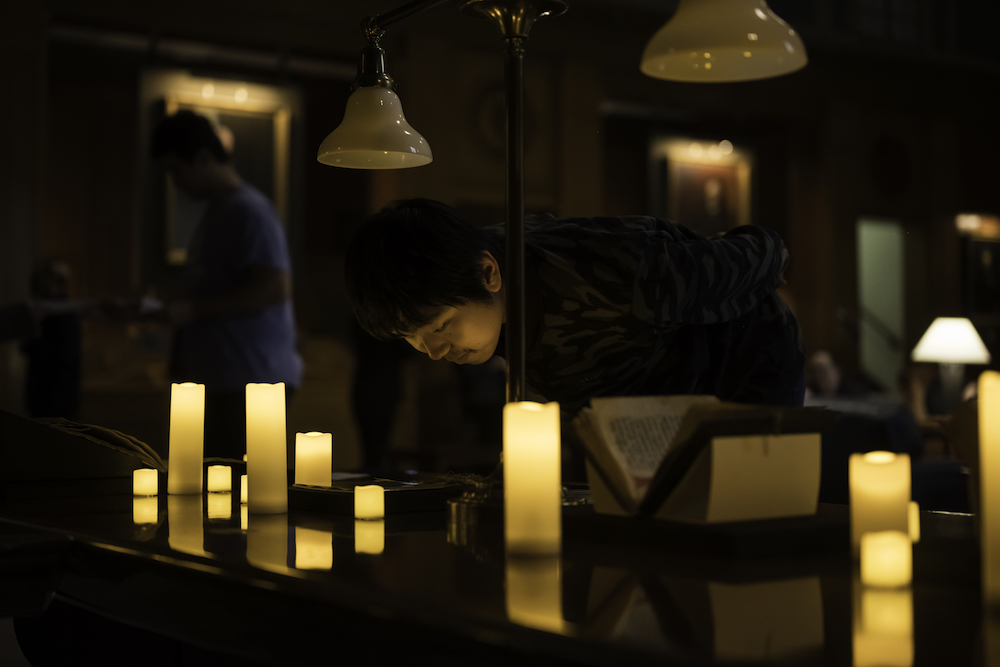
[951,342]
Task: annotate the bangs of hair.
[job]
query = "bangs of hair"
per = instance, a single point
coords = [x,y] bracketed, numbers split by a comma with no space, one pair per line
[411,260]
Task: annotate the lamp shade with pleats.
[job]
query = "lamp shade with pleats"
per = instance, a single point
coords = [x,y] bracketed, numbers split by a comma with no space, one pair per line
[717,41]
[374,135]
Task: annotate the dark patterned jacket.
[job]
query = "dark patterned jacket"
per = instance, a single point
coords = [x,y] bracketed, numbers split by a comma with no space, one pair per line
[640,306]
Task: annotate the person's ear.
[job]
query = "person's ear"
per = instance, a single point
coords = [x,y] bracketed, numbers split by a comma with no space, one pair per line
[491,272]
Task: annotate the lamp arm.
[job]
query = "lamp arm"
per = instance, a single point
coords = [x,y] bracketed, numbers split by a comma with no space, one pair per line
[377,23]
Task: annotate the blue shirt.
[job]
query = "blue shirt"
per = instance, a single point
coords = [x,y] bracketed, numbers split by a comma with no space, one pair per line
[240,231]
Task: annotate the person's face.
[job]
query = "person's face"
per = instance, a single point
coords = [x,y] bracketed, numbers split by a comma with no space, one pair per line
[191,177]
[466,334]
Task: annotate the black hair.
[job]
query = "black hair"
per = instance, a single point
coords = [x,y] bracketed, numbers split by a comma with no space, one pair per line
[410,260]
[184,134]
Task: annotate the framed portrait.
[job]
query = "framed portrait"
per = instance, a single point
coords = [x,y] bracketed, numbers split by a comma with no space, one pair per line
[253,124]
[702,184]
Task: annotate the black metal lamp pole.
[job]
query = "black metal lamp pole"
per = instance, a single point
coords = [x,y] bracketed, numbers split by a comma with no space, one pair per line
[514,18]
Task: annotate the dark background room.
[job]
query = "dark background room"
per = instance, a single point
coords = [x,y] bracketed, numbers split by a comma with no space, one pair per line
[867,162]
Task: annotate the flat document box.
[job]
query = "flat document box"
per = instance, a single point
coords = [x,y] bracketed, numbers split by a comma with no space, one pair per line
[697,460]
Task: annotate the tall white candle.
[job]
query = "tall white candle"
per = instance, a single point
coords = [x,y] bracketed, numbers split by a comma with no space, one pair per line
[369,536]
[220,479]
[313,458]
[186,448]
[532,478]
[369,502]
[989,485]
[266,462]
[313,549]
[880,494]
[145,482]
[186,525]
[534,592]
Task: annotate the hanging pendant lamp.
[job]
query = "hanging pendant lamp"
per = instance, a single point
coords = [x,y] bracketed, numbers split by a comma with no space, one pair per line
[716,41]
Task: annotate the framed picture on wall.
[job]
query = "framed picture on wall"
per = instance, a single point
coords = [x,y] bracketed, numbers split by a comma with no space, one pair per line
[982,276]
[253,124]
[704,185]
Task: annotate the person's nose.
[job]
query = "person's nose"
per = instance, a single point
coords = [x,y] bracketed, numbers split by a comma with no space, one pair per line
[436,348]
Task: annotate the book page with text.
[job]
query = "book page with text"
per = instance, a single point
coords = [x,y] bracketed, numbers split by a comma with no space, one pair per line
[642,428]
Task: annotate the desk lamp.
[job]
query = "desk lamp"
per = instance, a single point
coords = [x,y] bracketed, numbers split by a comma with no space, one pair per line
[951,342]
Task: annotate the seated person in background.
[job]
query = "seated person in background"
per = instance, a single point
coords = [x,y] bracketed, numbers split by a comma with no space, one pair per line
[824,379]
[614,306]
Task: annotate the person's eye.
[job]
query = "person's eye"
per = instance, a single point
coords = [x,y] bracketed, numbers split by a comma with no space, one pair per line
[442,327]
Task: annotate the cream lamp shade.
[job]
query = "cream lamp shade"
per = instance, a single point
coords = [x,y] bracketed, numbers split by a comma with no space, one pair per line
[716,41]
[951,340]
[374,134]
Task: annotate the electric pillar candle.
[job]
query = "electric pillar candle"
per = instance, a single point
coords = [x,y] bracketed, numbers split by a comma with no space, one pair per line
[220,479]
[989,484]
[886,559]
[313,458]
[187,438]
[369,502]
[144,482]
[266,464]
[880,494]
[532,478]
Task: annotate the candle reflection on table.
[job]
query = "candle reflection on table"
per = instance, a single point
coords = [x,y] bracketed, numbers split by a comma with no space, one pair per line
[185,522]
[883,626]
[145,510]
[313,549]
[534,592]
[267,542]
[220,506]
[369,536]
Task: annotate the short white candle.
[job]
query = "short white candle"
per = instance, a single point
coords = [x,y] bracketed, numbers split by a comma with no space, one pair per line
[266,462]
[186,447]
[220,505]
[369,502]
[313,549]
[220,479]
[145,509]
[369,537]
[880,494]
[532,478]
[534,592]
[313,458]
[186,524]
[886,559]
[145,482]
[243,489]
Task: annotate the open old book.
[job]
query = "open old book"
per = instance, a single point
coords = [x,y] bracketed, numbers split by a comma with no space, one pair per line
[640,450]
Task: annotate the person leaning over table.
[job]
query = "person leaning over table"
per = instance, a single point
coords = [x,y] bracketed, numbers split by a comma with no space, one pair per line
[615,306]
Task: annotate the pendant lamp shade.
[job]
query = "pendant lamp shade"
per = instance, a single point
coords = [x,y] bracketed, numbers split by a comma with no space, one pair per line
[716,41]
[374,134]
